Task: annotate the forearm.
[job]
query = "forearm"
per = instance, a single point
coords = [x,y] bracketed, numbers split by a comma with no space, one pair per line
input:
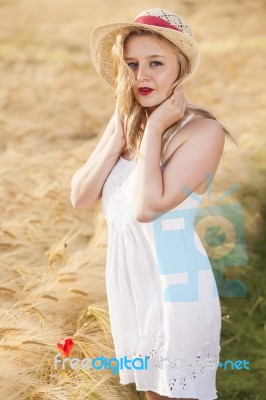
[149,181]
[109,130]
[87,182]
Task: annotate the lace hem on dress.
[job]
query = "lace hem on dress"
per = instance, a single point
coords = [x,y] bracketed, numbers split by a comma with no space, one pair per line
[179,374]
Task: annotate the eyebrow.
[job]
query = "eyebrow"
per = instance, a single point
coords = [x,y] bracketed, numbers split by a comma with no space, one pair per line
[153,56]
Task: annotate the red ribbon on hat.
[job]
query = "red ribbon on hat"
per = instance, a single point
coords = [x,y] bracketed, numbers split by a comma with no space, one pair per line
[150,20]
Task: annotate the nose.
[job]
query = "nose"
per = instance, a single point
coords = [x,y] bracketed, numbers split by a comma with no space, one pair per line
[142,73]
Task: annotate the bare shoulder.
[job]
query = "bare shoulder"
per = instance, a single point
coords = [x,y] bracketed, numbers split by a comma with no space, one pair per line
[205,127]
[207,137]
[197,131]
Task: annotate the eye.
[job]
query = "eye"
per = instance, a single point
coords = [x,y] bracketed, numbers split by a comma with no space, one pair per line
[132,65]
[156,63]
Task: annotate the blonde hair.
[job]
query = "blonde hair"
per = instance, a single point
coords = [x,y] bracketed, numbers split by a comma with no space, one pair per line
[133,115]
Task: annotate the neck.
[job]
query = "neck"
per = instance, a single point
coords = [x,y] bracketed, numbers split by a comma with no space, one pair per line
[149,110]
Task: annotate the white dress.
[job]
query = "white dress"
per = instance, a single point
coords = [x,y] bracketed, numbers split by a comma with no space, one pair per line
[162,295]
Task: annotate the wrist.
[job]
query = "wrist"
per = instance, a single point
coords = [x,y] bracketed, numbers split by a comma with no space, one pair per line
[114,146]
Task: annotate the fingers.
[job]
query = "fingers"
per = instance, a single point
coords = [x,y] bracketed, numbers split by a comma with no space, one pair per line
[179,102]
[178,93]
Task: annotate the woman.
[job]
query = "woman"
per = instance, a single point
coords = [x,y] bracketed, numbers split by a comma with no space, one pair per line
[150,169]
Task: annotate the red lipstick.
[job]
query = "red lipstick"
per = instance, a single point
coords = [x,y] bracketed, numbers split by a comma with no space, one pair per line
[144,91]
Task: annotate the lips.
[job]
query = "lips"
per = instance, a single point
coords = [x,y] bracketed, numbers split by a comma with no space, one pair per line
[144,91]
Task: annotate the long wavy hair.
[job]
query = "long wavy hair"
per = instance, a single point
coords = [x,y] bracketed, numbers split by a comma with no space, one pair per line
[133,115]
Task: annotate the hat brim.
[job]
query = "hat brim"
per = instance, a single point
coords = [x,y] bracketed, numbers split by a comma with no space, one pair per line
[103,38]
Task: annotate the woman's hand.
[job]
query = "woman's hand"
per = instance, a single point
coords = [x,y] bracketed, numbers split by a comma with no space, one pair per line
[170,111]
[119,134]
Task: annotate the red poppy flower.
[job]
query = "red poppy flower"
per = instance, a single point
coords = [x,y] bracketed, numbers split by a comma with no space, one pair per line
[65,346]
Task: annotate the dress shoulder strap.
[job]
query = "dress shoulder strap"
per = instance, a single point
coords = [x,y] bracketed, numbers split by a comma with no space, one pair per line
[186,120]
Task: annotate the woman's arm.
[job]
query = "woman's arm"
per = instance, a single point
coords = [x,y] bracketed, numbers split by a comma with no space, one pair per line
[109,130]
[87,182]
[197,158]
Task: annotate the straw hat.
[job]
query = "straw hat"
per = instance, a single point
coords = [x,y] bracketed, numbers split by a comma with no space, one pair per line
[164,22]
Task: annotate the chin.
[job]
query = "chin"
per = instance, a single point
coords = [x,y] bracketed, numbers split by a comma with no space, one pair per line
[148,103]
